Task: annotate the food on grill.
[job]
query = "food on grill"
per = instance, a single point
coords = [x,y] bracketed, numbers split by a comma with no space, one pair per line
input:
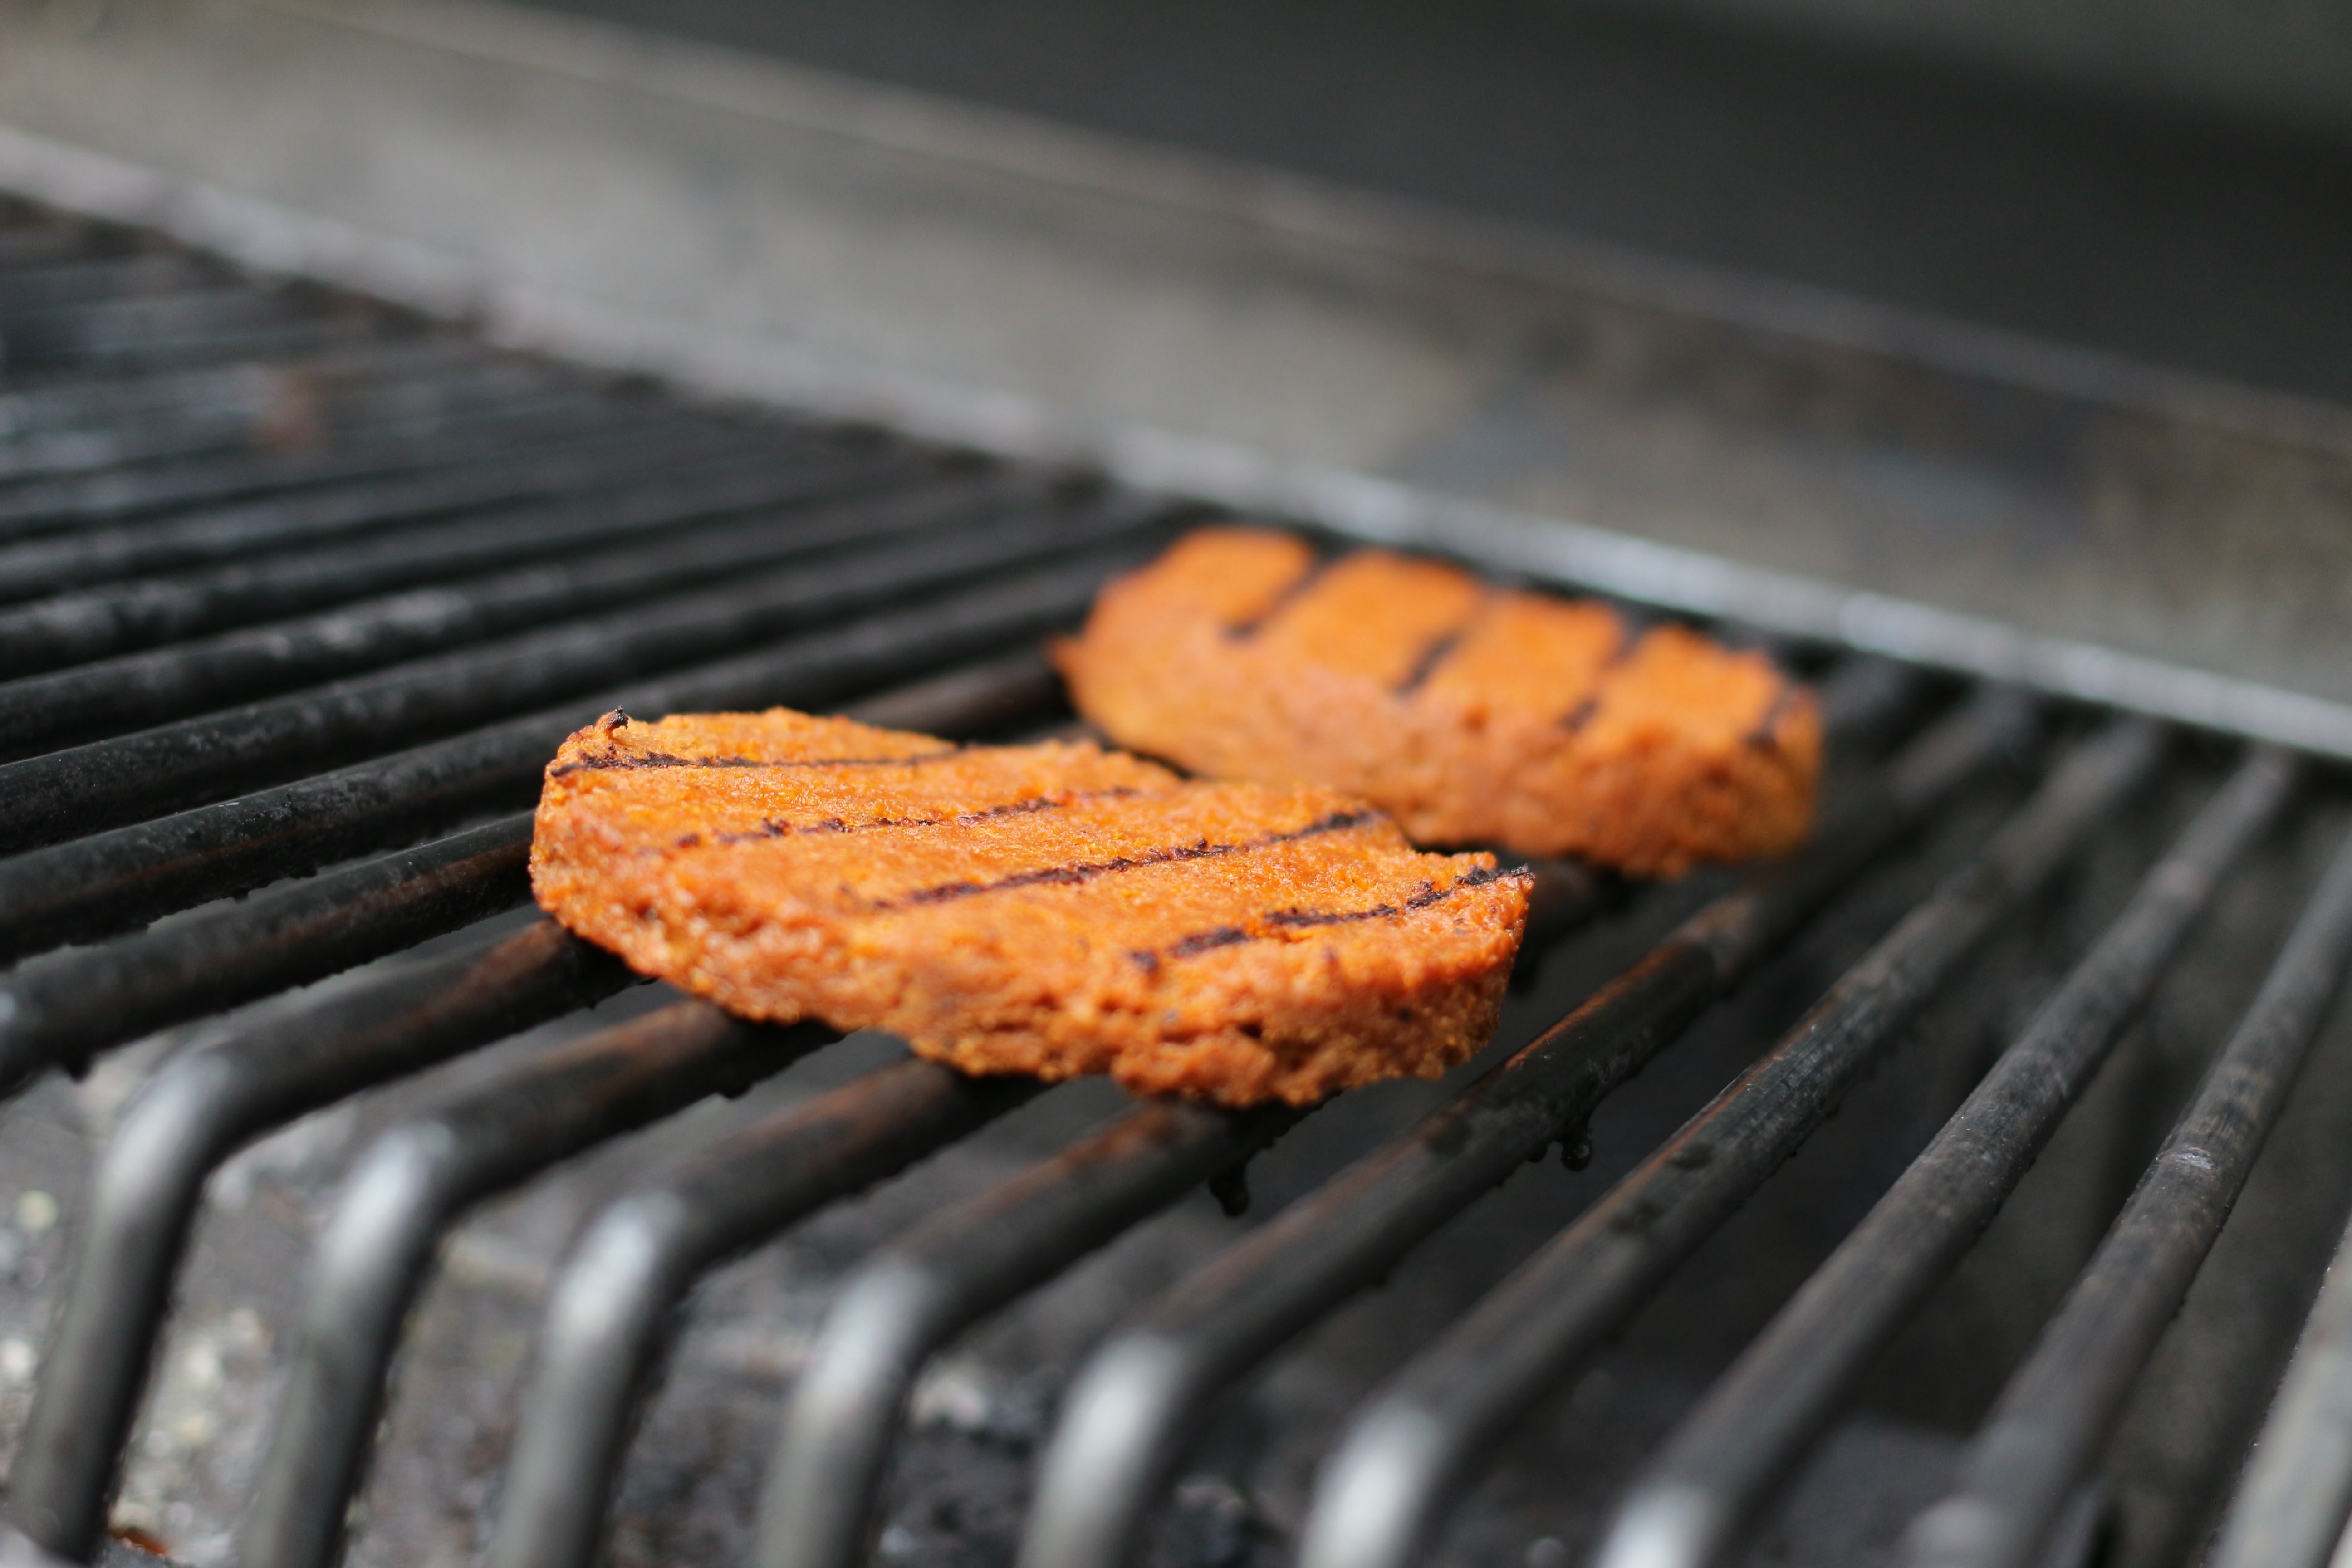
[1473,714]
[1051,908]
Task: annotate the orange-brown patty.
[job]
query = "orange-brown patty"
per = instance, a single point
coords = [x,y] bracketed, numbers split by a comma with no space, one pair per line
[1052,908]
[1474,715]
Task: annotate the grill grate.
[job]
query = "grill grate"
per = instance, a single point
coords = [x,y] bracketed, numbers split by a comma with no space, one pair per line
[297,595]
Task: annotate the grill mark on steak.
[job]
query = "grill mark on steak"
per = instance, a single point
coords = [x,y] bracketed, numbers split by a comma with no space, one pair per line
[772,828]
[631,763]
[1229,936]
[1765,736]
[1629,635]
[1436,653]
[1577,717]
[1087,870]
[1297,589]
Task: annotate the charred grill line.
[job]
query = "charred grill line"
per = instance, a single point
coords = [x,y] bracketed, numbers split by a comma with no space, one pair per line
[1441,647]
[1587,707]
[771,829]
[1203,942]
[1297,588]
[1428,897]
[1086,871]
[631,761]
[1765,735]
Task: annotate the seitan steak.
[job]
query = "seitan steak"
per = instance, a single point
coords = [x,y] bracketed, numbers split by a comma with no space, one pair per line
[1474,715]
[1052,908]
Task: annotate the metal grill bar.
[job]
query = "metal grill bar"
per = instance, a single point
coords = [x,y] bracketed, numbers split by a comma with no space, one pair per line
[174,330]
[95,885]
[2290,1511]
[1138,1399]
[78,426]
[34,243]
[94,623]
[227,340]
[372,438]
[62,1008]
[107,783]
[75,282]
[41,712]
[2046,1428]
[205,1104]
[1406,1459]
[1717,1471]
[412,1185]
[209,304]
[1865,700]
[612,1306]
[616,445]
[201,1106]
[918,1292]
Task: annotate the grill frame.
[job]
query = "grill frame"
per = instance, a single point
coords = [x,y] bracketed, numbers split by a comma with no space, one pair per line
[73,1002]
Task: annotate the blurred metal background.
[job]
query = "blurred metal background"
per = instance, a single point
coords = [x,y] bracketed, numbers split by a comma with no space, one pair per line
[2130,442]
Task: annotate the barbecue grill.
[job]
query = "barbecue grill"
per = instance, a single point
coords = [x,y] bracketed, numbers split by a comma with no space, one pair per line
[300,594]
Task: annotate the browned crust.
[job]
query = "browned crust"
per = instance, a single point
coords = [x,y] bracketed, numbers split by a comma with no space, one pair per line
[1052,910]
[1471,715]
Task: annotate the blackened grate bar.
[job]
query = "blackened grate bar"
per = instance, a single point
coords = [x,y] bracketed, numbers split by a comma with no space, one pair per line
[900,1308]
[110,782]
[140,613]
[1411,1454]
[365,448]
[204,324]
[2044,1433]
[414,1182]
[90,425]
[599,446]
[40,713]
[64,1007]
[77,282]
[612,1306]
[1718,1471]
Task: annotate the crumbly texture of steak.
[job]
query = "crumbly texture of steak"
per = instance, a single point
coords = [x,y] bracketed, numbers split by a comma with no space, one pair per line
[1052,908]
[1472,714]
